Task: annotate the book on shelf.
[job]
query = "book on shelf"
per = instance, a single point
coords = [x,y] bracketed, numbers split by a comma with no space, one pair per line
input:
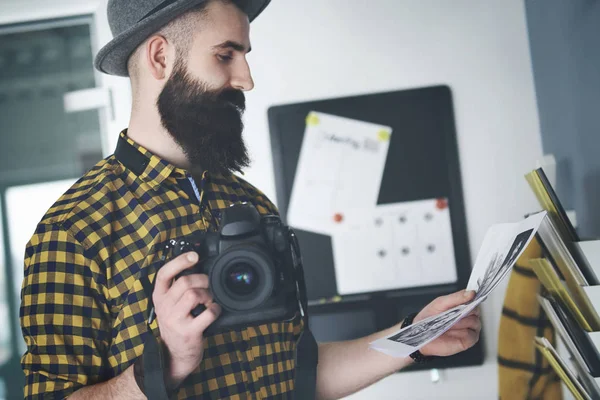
[578,343]
[562,369]
[568,270]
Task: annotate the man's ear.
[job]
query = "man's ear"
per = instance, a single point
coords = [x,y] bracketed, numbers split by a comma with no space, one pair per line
[156,54]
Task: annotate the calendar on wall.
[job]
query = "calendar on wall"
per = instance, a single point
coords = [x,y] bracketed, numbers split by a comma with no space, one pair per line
[335,191]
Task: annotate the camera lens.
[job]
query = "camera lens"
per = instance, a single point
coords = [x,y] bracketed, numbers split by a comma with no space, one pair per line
[242,279]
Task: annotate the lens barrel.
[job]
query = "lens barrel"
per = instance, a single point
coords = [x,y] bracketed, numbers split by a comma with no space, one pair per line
[242,277]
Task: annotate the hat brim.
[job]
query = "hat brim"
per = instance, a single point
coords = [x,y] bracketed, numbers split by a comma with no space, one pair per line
[112,58]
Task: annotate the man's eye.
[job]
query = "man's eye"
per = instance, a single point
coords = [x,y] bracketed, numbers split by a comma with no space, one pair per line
[224,57]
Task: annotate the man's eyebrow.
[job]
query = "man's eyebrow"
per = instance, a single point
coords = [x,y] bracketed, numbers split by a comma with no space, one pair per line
[230,44]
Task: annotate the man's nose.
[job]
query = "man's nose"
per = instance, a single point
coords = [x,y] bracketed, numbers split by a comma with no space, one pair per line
[242,78]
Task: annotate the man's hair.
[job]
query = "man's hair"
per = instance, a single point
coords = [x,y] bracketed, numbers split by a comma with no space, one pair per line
[179,31]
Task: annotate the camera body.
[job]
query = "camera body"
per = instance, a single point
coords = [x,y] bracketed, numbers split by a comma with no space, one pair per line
[252,263]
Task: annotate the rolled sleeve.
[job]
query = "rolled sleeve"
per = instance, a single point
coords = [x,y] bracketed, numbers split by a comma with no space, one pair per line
[64,316]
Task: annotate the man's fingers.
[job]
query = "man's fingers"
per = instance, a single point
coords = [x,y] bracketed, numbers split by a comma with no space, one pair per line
[189,300]
[469,322]
[206,317]
[463,339]
[170,270]
[476,311]
[185,283]
[449,301]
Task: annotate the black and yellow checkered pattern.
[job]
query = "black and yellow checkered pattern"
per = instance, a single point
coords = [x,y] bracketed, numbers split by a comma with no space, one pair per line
[523,372]
[83,307]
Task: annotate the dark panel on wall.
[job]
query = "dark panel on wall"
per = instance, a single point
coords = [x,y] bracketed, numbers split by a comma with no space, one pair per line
[566,67]
[422,163]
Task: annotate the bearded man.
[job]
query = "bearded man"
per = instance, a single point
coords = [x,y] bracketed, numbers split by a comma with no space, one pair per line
[85,313]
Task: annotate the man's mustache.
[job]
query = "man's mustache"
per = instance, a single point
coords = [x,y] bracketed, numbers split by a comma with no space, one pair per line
[235,97]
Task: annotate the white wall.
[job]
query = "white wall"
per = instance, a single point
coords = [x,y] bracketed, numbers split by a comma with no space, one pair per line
[315,49]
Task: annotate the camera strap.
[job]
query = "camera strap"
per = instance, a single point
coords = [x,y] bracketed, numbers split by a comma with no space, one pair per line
[152,381]
[307,350]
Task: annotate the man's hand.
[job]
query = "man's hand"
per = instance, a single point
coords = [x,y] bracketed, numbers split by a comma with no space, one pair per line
[181,333]
[462,335]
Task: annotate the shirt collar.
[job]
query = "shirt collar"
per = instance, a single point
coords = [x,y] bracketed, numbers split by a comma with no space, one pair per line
[149,167]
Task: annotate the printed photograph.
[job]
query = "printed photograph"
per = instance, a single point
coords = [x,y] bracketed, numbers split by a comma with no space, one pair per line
[500,265]
[416,335]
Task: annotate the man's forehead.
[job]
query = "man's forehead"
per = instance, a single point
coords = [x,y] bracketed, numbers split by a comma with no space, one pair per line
[226,15]
[225,23]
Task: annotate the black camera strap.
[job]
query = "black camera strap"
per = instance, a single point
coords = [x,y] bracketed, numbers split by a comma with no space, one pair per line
[151,379]
[306,358]
[307,349]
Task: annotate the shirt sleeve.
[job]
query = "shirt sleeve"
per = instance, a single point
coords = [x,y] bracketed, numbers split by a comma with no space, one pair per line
[523,372]
[64,316]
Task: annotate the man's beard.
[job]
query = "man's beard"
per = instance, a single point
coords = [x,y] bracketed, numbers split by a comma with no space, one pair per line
[206,124]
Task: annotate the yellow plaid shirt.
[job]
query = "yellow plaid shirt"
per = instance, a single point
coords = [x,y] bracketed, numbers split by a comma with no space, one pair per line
[83,308]
[524,373]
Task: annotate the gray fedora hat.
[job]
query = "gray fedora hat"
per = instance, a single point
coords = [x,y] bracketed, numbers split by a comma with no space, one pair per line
[133,21]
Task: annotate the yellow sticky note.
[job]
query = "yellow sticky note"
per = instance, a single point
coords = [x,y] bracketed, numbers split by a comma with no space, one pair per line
[383,135]
[312,119]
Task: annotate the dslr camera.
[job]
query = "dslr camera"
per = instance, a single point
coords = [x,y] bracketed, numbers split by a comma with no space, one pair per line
[252,262]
